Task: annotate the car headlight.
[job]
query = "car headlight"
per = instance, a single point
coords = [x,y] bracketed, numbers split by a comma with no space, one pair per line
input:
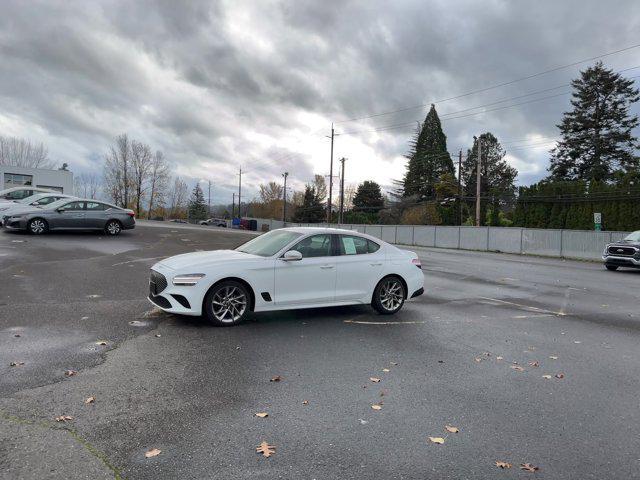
[15,217]
[188,279]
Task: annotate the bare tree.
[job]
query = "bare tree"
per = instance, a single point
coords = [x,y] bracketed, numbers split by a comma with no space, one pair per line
[20,152]
[177,197]
[270,192]
[141,159]
[117,171]
[159,177]
[86,185]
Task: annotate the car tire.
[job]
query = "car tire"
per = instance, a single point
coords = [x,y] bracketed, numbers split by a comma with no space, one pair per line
[227,303]
[113,228]
[389,295]
[612,268]
[37,226]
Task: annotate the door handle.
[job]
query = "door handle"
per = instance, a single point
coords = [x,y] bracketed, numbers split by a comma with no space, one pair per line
[326,267]
[376,264]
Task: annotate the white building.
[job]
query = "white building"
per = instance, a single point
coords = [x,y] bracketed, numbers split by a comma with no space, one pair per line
[59,180]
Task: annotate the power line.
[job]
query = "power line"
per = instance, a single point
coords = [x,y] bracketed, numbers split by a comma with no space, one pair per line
[492,87]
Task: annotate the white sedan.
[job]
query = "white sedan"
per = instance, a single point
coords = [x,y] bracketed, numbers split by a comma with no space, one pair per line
[285,269]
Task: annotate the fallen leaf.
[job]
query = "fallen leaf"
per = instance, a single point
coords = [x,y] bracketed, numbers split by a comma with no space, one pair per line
[440,361]
[376,406]
[64,418]
[386,370]
[487,354]
[503,464]
[101,342]
[478,359]
[374,379]
[546,376]
[16,364]
[277,378]
[89,400]
[265,449]
[451,429]
[528,467]
[262,414]
[305,402]
[438,440]
[532,348]
[70,373]
[154,452]
[17,335]
[559,375]
[534,364]
[553,357]
[393,363]
[158,335]
[577,341]
[517,368]
[499,358]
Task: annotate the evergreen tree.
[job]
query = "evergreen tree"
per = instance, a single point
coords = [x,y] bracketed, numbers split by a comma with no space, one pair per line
[428,159]
[368,198]
[497,181]
[597,137]
[197,205]
[312,208]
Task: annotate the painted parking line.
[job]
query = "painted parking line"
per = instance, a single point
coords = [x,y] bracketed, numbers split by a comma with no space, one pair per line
[526,307]
[361,322]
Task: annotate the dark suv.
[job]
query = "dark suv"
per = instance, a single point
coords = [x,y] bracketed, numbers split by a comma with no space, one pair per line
[625,253]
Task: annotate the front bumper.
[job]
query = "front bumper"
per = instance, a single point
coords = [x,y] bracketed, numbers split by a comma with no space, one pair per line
[14,224]
[182,300]
[621,261]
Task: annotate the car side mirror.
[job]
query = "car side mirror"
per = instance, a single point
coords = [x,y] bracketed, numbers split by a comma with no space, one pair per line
[60,209]
[292,256]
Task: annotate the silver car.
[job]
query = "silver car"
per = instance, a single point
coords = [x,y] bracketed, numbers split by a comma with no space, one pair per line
[75,214]
[29,203]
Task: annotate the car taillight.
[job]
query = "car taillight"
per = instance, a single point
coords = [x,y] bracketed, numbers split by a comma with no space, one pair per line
[131,214]
[416,262]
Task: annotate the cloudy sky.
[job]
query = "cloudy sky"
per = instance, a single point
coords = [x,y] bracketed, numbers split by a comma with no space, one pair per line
[219,85]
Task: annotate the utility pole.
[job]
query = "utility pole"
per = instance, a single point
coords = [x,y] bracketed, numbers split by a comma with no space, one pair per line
[209,203]
[330,177]
[240,194]
[478,179]
[340,219]
[233,205]
[284,193]
[460,185]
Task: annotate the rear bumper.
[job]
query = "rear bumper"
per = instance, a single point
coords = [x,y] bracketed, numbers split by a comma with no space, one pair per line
[621,261]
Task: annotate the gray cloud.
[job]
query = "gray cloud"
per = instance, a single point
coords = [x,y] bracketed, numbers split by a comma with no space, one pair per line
[220,84]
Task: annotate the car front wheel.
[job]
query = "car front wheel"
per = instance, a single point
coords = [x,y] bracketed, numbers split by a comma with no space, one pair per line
[113,227]
[37,226]
[227,303]
[389,295]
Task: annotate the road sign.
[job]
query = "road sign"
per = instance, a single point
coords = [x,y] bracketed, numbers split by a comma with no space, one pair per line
[597,220]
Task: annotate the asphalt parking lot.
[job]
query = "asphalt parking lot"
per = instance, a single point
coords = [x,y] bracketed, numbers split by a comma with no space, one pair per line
[471,353]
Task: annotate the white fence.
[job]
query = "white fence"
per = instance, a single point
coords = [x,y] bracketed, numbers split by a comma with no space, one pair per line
[581,244]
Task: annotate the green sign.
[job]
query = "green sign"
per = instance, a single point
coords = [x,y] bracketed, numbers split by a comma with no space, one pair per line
[597,220]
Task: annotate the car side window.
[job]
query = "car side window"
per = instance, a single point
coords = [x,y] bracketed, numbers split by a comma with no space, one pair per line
[95,206]
[45,201]
[373,246]
[73,206]
[353,245]
[314,246]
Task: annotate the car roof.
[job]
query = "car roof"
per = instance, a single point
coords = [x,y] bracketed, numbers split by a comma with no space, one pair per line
[26,187]
[343,231]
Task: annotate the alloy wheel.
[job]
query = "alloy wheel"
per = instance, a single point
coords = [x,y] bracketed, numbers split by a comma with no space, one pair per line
[37,226]
[229,304]
[113,228]
[391,295]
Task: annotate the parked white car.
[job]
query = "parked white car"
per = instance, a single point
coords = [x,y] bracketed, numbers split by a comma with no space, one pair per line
[38,200]
[288,268]
[18,193]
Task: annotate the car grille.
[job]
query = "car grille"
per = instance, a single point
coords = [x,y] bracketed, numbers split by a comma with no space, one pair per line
[622,251]
[157,283]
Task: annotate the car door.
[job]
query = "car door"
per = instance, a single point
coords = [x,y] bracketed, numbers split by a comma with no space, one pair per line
[359,265]
[95,215]
[68,216]
[311,280]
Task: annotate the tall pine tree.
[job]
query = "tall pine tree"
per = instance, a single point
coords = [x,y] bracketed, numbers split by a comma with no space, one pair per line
[368,198]
[428,159]
[597,139]
[197,206]
[497,181]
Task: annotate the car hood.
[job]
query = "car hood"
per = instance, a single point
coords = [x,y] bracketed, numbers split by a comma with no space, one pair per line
[624,243]
[195,260]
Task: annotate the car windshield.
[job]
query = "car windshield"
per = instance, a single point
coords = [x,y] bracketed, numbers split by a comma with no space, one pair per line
[28,200]
[633,237]
[269,243]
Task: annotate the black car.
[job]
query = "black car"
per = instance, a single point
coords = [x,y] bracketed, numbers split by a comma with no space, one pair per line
[625,253]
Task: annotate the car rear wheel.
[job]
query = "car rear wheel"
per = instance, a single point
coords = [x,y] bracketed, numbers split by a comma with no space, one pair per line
[37,226]
[227,303]
[113,227]
[613,268]
[389,295]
